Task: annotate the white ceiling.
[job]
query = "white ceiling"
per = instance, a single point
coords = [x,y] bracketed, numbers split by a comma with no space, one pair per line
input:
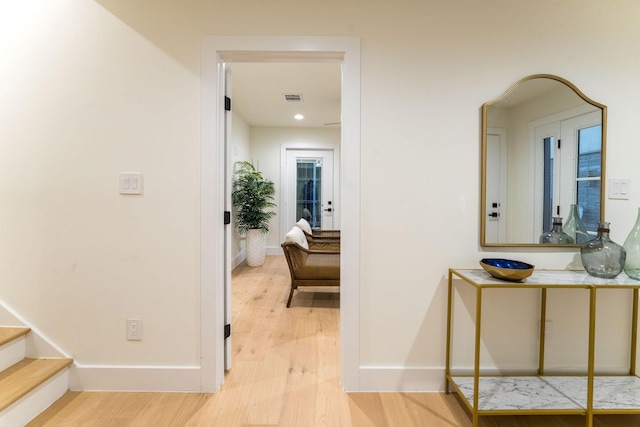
[257,93]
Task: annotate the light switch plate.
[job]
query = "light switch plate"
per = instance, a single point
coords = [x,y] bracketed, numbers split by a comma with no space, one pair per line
[619,188]
[130,183]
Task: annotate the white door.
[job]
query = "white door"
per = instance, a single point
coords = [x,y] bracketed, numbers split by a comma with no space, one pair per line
[310,188]
[496,186]
[228,167]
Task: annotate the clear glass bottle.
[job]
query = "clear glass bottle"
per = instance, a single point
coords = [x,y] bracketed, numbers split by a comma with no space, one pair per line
[574,226]
[632,246]
[556,236]
[601,256]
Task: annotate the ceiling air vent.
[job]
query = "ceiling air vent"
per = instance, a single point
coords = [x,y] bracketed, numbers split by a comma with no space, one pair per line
[292,97]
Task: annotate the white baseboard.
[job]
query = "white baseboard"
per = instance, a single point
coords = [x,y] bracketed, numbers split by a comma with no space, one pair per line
[270,250]
[274,250]
[7,318]
[237,260]
[187,379]
[37,343]
[401,379]
[135,378]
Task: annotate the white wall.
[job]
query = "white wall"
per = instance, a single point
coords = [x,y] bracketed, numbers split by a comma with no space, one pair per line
[89,89]
[84,97]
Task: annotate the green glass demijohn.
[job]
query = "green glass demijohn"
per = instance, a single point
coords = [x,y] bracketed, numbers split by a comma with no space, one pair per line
[556,236]
[632,246]
[574,226]
[602,257]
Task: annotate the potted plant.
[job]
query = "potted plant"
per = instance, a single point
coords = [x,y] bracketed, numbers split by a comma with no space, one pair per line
[252,195]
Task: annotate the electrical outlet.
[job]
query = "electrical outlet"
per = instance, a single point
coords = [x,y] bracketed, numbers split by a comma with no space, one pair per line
[134,329]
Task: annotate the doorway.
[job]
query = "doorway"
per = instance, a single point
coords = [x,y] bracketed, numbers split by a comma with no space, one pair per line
[270,106]
[215,52]
[310,187]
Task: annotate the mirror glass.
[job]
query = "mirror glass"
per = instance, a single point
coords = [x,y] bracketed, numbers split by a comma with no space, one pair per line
[543,157]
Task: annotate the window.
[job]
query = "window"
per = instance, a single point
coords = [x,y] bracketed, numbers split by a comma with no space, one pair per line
[588,180]
[309,191]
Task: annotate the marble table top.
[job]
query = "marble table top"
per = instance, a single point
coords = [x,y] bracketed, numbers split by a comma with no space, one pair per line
[520,393]
[550,278]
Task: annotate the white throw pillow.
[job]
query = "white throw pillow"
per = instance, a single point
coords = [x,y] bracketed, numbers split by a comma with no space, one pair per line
[296,235]
[304,225]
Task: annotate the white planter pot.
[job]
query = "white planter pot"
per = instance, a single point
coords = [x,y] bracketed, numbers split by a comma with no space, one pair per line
[256,247]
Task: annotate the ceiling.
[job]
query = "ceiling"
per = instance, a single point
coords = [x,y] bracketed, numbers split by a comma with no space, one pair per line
[257,91]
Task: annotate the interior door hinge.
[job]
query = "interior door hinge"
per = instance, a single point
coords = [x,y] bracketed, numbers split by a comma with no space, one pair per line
[227,331]
[227,217]
[559,143]
[558,210]
[227,103]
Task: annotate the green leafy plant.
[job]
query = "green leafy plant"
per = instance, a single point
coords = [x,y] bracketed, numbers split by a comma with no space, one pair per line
[252,195]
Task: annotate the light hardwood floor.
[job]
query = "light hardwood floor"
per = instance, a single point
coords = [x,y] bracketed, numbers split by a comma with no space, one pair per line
[285,373]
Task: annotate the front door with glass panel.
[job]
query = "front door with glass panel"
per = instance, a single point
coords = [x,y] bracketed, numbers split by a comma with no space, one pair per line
[571,154]
[310,188]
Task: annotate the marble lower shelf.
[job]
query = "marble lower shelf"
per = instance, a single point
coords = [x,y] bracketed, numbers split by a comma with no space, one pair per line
[562,394]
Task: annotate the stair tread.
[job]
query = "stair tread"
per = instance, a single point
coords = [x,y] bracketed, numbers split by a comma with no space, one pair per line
[19,379]
[8,334]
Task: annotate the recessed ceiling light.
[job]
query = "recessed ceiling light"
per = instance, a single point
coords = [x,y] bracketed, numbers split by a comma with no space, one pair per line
[298,117]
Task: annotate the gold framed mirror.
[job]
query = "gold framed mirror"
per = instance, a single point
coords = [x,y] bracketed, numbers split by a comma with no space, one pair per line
[543,156]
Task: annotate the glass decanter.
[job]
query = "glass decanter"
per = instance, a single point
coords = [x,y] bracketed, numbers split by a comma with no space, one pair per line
[601,256]
[556,236]
[632,246]
[574,226]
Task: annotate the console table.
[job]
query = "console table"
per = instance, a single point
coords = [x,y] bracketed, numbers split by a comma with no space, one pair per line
[585,395]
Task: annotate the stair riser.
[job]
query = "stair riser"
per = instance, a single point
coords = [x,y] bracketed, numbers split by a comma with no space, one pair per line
[39,399]
[12,352]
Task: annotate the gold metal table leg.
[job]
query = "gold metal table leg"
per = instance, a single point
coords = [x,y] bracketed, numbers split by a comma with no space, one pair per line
[543,325]
[591,363]
[447,369]
[634,333]
[476,368]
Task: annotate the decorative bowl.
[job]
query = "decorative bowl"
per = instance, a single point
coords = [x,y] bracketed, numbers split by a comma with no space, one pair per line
[507,269]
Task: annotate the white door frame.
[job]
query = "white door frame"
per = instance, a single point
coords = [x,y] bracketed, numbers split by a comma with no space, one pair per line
[302,146]
[503,209]
[215,51]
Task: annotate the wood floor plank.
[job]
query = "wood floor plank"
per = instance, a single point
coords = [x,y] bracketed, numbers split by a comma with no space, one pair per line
[286,372]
